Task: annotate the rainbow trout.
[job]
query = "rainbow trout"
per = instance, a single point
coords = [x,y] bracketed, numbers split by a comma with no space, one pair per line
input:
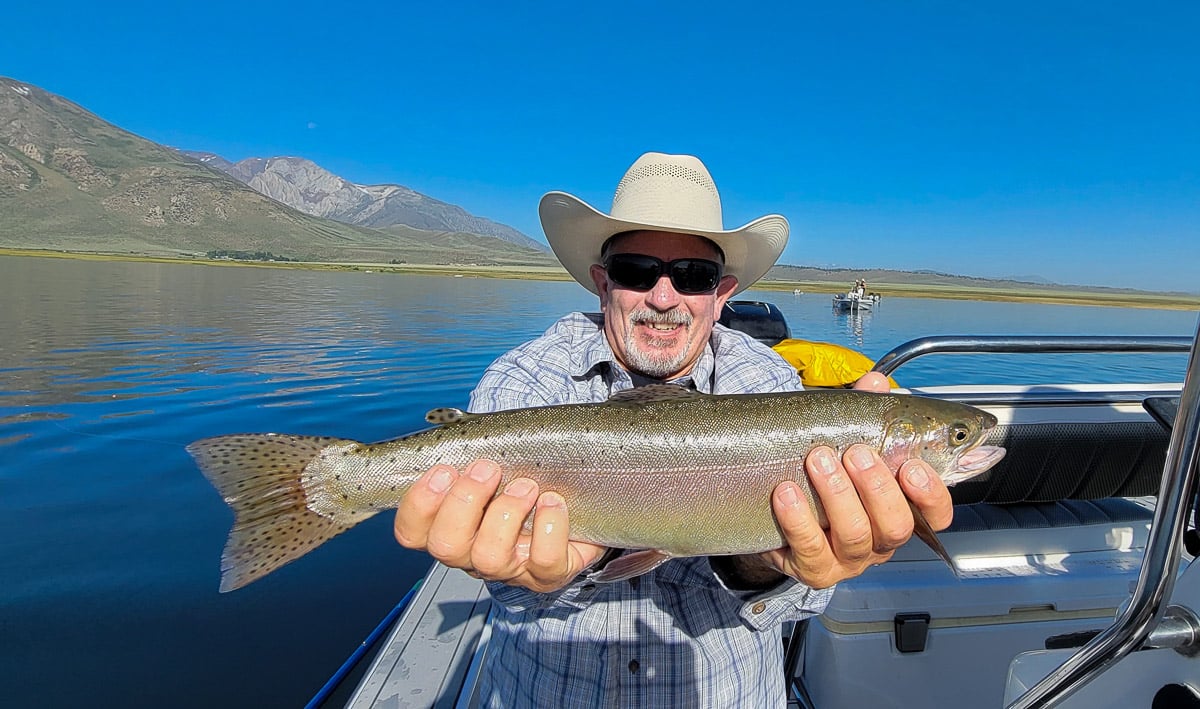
[662,469]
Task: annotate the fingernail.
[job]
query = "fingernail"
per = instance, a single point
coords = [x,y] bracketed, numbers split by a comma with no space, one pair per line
[441,481]
[825,462]
[788,496]
[861,457]
[481,472]
[552,499]
[521,487]
[917,476]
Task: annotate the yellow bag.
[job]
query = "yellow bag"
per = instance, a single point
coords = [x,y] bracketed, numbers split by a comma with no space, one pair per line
[824,364]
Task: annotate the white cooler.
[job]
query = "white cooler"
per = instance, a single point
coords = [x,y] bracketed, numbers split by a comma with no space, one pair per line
[908,633]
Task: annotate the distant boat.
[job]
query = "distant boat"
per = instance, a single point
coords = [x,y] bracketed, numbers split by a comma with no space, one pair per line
[797,292]
[855,301]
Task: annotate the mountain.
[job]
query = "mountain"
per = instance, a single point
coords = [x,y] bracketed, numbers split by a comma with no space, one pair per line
[308,187]
[70,180]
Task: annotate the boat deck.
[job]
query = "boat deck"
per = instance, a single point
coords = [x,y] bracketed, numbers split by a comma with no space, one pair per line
[431,653]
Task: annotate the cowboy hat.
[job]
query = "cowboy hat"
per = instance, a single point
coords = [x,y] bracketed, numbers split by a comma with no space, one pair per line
[672,193]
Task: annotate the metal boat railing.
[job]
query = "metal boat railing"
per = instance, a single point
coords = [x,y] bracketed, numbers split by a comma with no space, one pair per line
[1016,344]
[1144,622]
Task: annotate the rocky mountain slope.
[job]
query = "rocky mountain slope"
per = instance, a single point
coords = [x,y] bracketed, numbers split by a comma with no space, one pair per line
[70,180]
[308,187]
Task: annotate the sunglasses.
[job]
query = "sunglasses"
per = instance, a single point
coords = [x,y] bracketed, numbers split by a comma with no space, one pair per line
[690,276]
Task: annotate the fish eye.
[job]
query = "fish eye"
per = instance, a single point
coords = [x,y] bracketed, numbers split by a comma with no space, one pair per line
[959,434]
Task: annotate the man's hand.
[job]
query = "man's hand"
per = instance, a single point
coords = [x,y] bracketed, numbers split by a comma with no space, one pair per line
[865,505]
[459,519]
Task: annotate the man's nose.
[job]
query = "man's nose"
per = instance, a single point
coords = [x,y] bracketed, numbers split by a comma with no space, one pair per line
[663,295]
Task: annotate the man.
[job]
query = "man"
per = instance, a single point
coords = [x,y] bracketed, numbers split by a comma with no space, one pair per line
[694,631]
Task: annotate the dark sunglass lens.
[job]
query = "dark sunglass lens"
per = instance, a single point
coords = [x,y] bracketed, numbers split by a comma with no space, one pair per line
[695,275]
[634,271]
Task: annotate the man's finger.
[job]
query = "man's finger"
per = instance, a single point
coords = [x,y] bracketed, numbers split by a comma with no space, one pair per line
[549,559]
[873,381]
[457,521]
[495,551]
[882,498]
[928,492]
[416,512]
[808,556]
[849,525]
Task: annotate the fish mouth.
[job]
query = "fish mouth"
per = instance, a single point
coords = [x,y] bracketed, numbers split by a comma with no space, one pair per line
[974,462]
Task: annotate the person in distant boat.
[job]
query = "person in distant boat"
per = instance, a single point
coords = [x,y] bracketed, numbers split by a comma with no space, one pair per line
[701,631]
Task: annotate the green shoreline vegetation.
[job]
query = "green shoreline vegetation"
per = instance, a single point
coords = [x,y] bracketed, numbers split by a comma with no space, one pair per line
[1062,295]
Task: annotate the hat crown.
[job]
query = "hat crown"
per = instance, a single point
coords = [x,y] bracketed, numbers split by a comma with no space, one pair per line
[669,190]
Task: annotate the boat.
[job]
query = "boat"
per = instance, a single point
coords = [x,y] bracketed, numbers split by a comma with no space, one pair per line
[1077,585]
[853,301]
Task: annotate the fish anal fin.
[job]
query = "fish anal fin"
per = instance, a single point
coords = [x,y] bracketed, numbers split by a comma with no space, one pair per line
[629,565]
[926,534]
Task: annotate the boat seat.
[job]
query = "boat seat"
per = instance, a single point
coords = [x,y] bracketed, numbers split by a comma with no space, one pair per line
[1048,462]
[983,516]
[1071,478]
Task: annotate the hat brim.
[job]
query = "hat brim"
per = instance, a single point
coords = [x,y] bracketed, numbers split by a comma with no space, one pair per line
[576,231]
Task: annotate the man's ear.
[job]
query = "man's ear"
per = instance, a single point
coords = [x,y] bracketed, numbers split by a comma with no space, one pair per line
[725,290]
[600,278]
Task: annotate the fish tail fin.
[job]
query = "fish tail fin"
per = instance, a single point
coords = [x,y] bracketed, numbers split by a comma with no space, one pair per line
[260,476]
[926,534]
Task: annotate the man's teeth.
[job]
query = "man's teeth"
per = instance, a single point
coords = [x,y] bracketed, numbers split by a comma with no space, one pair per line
[664,326]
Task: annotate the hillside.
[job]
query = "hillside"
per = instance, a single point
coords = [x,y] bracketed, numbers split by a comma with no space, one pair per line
[71,181]
[306,186]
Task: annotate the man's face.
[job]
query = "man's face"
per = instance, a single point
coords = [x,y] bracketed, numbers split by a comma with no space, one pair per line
[660,332]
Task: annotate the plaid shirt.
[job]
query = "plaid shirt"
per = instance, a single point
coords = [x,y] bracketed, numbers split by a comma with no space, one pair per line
[674,637]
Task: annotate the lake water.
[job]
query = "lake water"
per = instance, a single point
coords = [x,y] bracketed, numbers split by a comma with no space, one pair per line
[110,538]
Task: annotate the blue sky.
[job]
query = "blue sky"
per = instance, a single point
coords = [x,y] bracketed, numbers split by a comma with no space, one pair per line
[1046,139]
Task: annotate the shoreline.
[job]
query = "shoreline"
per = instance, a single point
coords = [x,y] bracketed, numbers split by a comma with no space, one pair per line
[1050,295]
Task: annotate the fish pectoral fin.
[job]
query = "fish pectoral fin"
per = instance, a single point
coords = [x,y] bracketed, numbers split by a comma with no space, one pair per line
[926,534]
[630,565]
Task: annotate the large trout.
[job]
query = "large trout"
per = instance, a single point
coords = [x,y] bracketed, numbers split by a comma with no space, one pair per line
[662,469]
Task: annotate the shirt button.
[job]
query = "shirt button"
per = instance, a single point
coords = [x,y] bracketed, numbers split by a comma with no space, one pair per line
[633,666]
[758,608]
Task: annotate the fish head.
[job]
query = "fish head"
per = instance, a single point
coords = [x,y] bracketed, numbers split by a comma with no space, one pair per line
[947,435]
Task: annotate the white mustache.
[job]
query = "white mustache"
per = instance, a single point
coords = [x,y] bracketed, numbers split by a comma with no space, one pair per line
[670,317]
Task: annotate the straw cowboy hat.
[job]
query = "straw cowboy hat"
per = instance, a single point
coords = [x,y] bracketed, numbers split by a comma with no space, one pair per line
[660,192]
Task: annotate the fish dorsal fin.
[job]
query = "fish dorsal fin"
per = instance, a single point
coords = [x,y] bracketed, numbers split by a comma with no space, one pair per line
[654,392]
[447,414]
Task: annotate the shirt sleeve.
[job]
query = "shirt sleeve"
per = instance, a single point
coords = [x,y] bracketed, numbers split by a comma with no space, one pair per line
[512,382]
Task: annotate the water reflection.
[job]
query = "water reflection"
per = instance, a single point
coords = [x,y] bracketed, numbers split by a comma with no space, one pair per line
[855,322]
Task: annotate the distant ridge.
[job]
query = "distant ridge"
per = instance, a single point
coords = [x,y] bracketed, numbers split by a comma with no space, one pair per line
[306,186]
